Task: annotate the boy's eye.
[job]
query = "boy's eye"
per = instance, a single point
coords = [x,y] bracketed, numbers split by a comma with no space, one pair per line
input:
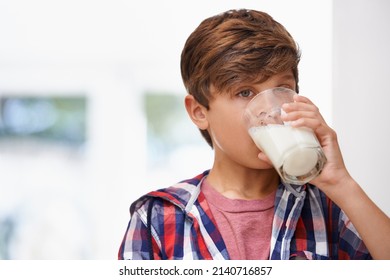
[245,93]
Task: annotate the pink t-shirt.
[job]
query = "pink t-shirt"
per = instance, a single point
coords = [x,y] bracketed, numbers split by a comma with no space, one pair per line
[245,225]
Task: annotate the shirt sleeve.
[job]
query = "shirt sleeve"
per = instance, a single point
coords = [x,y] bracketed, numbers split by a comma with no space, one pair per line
[351,246]
[136,243]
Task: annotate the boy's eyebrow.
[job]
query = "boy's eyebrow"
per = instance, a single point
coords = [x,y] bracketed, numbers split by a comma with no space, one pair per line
[288,76]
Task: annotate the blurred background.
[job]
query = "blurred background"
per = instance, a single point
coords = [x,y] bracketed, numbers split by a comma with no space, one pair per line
[92,113]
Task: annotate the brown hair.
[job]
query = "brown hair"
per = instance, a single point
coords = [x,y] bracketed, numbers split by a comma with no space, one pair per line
[234,47]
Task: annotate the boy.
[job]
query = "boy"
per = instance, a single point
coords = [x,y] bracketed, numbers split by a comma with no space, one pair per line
[240,209]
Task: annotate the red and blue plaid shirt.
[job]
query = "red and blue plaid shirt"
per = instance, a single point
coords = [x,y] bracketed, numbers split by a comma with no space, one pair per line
[176,223]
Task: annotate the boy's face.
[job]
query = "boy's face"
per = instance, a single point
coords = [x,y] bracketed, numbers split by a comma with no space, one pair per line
[226,127]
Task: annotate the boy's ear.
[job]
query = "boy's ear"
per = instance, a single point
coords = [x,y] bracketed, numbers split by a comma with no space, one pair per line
[197,112]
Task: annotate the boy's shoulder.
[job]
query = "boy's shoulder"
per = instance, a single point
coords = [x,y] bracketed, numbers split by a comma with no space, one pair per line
[180,194]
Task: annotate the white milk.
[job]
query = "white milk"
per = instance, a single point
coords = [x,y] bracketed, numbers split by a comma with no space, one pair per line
[291,150]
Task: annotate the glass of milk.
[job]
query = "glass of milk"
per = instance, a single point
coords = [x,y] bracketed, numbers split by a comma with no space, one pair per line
[295,152]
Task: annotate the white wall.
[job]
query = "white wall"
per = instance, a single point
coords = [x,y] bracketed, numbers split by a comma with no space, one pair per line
[361,95]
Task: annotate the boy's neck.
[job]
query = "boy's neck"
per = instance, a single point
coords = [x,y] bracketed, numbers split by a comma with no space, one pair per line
[243,183]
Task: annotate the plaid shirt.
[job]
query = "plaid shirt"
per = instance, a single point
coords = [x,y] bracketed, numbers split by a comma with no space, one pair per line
[306,225]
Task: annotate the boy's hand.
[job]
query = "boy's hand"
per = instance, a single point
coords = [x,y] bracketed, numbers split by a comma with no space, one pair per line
[303,113]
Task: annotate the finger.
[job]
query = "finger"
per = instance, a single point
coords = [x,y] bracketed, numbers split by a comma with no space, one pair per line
[295,115]
[312,123]
[301,106]
[303,99]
